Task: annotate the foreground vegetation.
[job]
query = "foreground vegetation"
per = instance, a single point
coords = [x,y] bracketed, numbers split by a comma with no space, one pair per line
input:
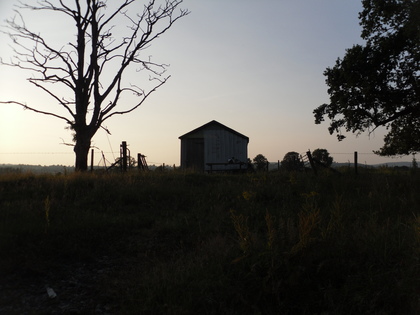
[184,243]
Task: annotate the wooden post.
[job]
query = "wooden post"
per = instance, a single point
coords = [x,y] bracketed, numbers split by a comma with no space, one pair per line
[141,162]
[124,156]
[311,161]
[103,158]
[355,162]
[91,160]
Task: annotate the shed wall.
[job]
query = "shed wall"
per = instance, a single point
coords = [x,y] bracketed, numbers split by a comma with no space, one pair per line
[221,145]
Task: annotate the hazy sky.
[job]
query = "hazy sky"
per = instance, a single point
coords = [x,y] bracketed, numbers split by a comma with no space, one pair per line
[255,66]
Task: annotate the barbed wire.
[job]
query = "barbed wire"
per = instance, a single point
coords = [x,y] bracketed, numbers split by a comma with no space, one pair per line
[112,152]
[371,153]
[72,153]
[161,163]
[40,153]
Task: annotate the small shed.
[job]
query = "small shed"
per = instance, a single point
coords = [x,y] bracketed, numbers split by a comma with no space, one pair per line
[214,147]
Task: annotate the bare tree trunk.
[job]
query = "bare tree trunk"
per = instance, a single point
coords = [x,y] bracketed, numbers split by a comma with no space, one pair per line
[81,150]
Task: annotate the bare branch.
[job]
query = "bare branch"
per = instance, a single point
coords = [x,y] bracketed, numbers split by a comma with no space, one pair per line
[106,130]
[33,58]
[151,17]
[116,12]
[66,143]
[145,96]
[38,111]
[62,102]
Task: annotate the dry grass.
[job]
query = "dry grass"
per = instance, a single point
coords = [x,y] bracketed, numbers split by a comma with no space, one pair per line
[187,243]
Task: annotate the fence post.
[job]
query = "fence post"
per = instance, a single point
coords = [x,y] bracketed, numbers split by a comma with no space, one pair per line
[311,161]
[103,158]
[355,162]
[124,156]
[91,160]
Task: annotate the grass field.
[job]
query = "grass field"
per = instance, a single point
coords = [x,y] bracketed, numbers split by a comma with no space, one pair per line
[186,243]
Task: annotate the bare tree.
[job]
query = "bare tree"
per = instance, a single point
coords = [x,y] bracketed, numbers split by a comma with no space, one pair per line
[95,54]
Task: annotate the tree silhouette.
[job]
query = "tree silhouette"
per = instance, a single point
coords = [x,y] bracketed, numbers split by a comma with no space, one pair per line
[292,162]
[82,65]
[378,84]
[323,156]
[260,162]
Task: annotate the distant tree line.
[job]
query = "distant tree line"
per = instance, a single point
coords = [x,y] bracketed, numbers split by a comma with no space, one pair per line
[293,161]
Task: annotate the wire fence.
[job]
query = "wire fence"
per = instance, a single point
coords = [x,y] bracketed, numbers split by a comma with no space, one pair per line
[340,157]
[99,157]
[364,158]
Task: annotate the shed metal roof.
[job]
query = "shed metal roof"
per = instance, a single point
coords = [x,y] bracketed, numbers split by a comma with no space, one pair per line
[212,123]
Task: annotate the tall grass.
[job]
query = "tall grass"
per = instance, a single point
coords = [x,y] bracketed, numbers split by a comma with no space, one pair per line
[272,243]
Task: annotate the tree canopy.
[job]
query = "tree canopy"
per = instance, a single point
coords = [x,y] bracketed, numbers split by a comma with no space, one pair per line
[260,162]
[378,83]
[323,156]
[92,66]
[292,162]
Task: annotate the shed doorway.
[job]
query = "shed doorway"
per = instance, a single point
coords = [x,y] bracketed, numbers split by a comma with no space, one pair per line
[195,153]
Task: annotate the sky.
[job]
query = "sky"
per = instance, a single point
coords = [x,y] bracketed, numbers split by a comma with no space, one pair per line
[254,66]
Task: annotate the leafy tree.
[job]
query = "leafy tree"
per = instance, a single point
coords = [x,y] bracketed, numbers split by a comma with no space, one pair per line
[260,162]
[292,162]
[92,67]
[378,84]
[323,156]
